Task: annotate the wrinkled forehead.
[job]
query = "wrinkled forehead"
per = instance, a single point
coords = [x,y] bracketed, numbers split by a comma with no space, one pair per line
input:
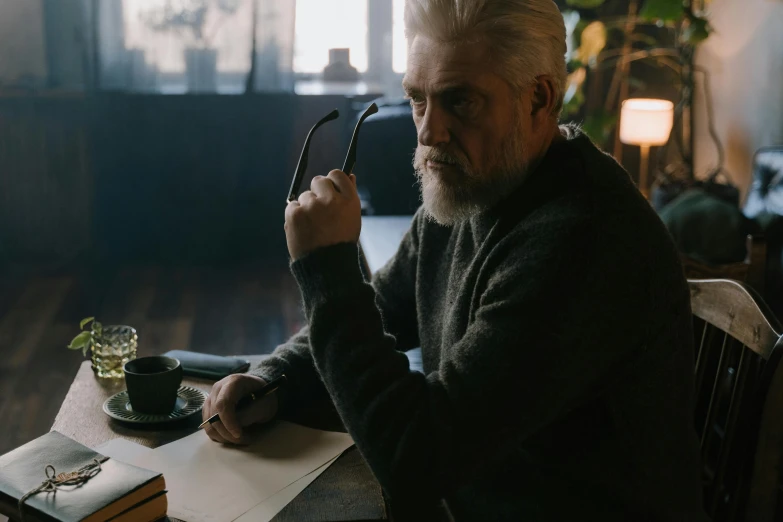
[433,65]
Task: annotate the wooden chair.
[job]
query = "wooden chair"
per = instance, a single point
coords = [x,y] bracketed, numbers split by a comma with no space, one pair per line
[751,271]
[739,401]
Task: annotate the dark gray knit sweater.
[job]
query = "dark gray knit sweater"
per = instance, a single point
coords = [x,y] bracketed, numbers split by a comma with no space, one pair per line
[557,349]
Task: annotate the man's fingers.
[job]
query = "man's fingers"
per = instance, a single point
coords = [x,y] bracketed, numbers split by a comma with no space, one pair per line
[290,209]
[343,182]
[206,408]
[213,434]
[258,411]
[230,395]
[217,431]
[305,198]
[226,407]
[228,437]
[324,187]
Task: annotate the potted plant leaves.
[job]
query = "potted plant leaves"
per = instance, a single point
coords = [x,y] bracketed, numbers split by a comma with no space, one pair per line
[197,22]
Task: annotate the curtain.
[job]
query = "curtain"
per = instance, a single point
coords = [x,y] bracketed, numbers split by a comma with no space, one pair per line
[195,46]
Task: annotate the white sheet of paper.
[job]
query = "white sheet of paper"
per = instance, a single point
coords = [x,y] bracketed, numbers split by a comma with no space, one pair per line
[209,482]
[266,510]
[126,451]
[122,450]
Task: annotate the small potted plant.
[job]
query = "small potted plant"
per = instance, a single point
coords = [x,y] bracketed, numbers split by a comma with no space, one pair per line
[194,21]
[110,347]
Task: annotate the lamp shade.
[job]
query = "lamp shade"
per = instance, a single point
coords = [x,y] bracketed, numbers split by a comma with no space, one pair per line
[646,121]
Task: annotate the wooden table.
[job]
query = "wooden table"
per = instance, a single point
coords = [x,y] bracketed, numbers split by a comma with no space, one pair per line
[347,490]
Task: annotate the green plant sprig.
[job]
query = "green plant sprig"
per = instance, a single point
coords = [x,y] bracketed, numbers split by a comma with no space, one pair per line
[82,341]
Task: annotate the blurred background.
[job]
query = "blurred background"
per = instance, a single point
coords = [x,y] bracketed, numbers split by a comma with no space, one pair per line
[146,150]
[146,147]
[168,130]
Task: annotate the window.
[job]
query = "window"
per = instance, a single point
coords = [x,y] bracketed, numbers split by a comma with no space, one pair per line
[399,48]
[176,46]
[142,49]
[228,31]
[322,25]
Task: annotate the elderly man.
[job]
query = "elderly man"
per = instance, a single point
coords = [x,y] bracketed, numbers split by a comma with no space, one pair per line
[545,294]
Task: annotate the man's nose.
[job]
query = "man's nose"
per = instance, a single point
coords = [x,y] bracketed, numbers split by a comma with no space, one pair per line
[433,129]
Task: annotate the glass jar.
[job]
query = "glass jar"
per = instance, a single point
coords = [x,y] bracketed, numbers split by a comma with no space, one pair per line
[111,347]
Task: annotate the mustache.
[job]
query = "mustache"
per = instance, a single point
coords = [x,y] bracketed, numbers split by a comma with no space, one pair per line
[424,154]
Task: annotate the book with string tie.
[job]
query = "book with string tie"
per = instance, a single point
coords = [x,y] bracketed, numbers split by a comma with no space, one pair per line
[55,478]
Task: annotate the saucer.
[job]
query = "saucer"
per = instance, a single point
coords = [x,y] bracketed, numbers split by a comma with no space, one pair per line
[189,402]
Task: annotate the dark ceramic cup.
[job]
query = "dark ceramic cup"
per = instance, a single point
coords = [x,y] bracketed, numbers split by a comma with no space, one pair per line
[153,383]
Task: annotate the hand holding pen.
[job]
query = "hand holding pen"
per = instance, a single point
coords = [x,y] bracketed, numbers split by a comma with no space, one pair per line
[237,401]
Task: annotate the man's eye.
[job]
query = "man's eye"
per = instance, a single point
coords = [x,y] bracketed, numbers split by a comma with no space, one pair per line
[461,102]
[416,99]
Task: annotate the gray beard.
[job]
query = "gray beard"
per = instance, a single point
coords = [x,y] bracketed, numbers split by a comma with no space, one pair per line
[448,203]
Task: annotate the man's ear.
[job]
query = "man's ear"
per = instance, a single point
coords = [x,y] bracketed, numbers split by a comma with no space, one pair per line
[545,99]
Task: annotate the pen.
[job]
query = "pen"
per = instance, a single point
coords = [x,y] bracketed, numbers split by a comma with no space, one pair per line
[245,401]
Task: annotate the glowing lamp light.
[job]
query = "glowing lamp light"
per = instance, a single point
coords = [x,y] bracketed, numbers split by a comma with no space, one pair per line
[647,123]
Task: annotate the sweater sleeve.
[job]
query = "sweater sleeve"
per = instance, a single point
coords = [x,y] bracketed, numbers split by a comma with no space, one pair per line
[395,287]
[293,359]
[531,353]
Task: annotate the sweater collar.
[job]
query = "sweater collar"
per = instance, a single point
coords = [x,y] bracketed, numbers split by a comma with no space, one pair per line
[537,185]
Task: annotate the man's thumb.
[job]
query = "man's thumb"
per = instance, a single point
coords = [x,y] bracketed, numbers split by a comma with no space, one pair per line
[261,410]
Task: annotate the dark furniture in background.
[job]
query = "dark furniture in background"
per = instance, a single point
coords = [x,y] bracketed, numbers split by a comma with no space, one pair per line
[764,204]
[752,270]
[170,179]
[384,168]
[739,399]
[189,178]
[719,239]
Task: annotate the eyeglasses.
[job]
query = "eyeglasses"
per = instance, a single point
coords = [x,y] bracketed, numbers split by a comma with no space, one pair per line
[350,158]
[301,167]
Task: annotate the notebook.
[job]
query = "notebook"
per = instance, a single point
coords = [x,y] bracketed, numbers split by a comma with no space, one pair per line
[120,492]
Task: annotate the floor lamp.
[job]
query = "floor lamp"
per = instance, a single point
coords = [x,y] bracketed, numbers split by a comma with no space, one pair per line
[647,123]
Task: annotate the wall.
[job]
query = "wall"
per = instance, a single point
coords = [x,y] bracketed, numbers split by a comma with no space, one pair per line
[745,60]
[22,43]
[45,179]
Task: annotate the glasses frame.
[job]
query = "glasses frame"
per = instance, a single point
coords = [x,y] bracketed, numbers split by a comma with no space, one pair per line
[350,158]
[301,167]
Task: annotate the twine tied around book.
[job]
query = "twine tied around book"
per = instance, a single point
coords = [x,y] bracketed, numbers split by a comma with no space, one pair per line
[54,481]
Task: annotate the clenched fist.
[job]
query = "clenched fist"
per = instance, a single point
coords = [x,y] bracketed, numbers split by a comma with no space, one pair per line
[328,214]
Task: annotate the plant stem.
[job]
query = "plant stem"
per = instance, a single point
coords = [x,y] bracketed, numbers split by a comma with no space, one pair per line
[662,57]
[651,53]
[620,78]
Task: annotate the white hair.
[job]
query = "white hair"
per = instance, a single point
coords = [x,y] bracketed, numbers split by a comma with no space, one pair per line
[527,37]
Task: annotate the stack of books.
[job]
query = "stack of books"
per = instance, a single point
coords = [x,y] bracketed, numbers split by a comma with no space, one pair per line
[104,490]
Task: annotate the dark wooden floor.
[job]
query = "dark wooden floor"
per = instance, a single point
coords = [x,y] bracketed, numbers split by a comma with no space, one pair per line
[225,310]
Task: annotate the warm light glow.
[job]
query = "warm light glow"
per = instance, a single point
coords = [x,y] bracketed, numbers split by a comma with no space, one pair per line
[646,121]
